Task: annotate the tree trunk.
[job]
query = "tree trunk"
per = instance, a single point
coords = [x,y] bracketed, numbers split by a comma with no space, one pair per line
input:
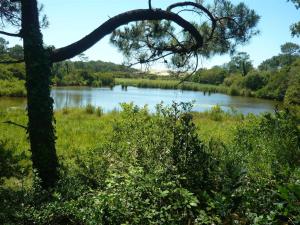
[41,129]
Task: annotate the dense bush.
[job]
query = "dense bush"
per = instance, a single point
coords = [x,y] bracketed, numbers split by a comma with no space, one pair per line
[12,88]
[106,79]
[234,80]
[155,169]
[92,73]
[215,75]
[254,81]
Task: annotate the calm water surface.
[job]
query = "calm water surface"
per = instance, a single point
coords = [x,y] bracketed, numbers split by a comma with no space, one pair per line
[110,99]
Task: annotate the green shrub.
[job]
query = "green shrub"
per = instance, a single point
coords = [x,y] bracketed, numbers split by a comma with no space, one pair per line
[10,165]
[154,168]
[254,81]
[234,79]
[234,91]
[292,95]
[65,110]
[12,88]
[215,75]
[216,113]
[99,111]
[104,79]
[90,109]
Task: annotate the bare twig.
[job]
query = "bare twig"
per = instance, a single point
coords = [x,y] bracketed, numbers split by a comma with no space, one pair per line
[202,8]
[18,125]
[192,73]
[151,59]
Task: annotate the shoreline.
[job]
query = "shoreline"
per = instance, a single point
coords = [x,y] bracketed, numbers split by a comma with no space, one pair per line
[160,84]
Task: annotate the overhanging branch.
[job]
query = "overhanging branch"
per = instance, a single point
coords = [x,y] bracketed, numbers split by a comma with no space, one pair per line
[196,5]
[122,19]
[10,34]
[200,7]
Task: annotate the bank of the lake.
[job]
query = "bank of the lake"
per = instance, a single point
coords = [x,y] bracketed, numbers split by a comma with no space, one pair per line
[172,84]
[16,88]
[109,99]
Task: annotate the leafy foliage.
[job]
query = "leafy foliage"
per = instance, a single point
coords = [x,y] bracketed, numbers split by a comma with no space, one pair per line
[215,75]
[92,73]
[240,63]
[10,13]
[255,81]
[155,168]
[295,28]
[290,48]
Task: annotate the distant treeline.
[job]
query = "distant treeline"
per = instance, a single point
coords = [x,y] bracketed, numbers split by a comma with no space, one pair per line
[67,73]
[276,78]
[91,73]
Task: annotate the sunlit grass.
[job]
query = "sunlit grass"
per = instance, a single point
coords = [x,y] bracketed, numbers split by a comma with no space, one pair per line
[78,131]
[171,84]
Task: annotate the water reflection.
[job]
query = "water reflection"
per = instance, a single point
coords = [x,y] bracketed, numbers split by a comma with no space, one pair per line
[110,98]
[69,98]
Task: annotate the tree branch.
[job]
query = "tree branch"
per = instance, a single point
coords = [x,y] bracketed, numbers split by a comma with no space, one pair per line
[18,125]
[122,19]
[196,5]
[150,4]
[202,8]
[192,73]
[150,59]
[10,34]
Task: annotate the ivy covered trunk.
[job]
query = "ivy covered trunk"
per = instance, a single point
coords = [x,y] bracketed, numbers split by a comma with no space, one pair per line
[40,104]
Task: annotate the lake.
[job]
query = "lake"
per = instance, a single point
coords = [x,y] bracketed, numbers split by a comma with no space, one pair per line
[110,99]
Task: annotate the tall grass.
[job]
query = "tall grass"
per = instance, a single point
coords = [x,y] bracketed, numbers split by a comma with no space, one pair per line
[172,84]
[12,88]
[82,129]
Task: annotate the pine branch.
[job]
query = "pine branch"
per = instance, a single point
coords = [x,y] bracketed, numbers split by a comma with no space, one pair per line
[200,7]
[10,34]
[122,19]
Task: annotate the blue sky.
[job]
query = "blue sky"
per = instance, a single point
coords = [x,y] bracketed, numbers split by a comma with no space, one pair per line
[72,19]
